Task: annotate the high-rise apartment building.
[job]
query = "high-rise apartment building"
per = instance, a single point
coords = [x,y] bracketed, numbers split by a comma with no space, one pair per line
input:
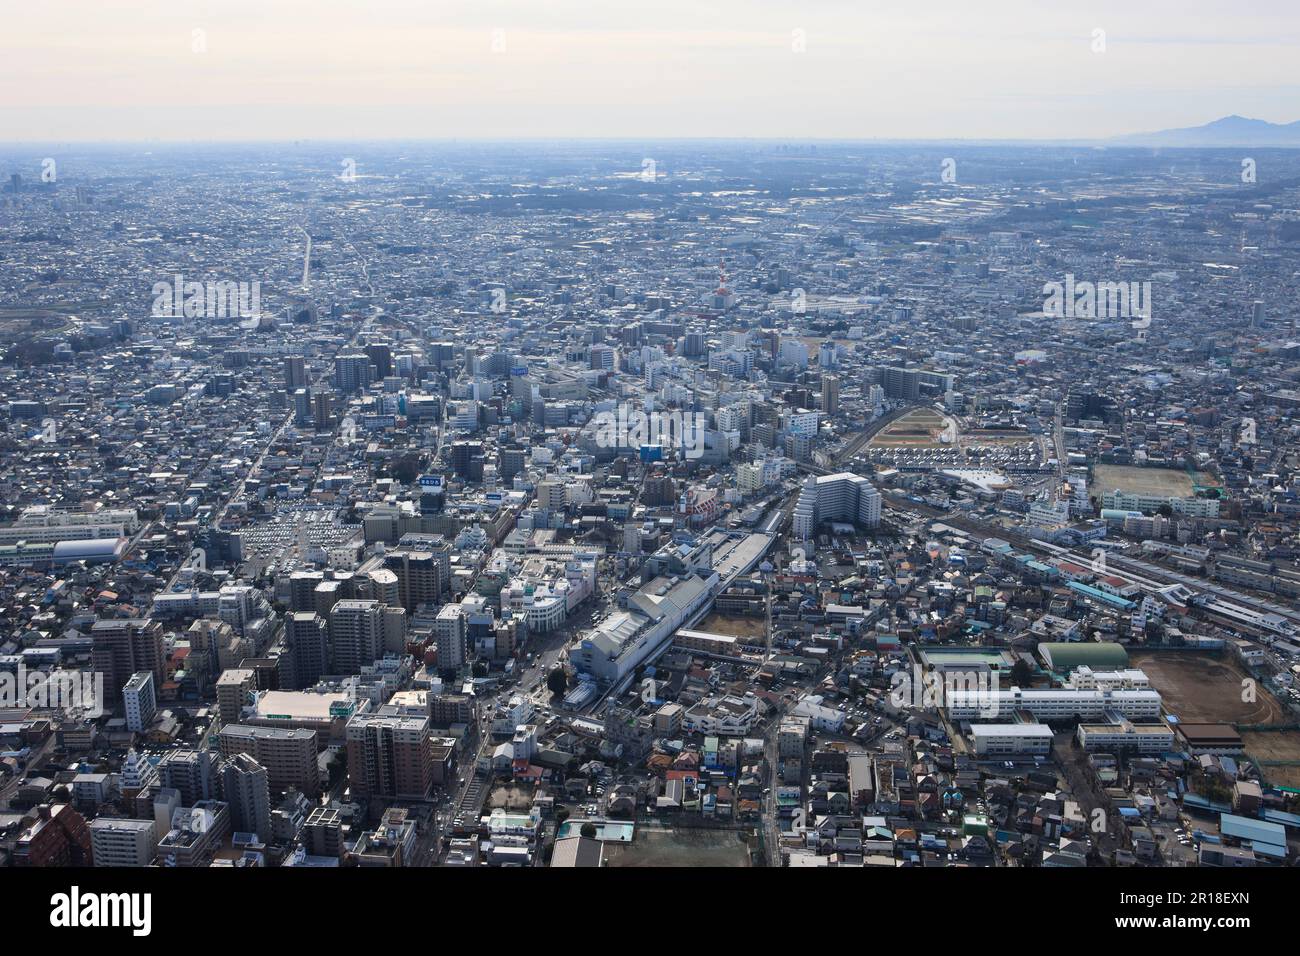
[356,630]
[123,842]
[246,787]
[449,631]
[352,372]
[191,773]
[830,395]
[289,754]
[295,373]
[140,701]
[389,754]
[322,834]
[841,497]
[233,689]
[123,646]
[307,640]
[423,574]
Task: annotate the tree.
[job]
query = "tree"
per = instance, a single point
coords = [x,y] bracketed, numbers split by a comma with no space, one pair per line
[1021,673]
[589,831]
[406,468]
[557,682]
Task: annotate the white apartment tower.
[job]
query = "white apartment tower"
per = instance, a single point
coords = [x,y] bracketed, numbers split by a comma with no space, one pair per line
[140,700]
[841,497]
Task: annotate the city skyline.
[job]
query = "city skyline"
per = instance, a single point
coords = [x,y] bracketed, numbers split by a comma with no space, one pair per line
[442,435]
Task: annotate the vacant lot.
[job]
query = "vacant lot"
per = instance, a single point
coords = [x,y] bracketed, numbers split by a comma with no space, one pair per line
[1201,688]
[1276,745]
[735,625]
[1165,482]
[511,798]
[682,847]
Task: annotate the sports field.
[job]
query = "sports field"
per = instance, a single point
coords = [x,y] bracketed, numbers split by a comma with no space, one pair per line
[1200,688]
[685,846]
[1164,482]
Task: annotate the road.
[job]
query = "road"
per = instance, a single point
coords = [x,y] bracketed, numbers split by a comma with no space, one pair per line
[467,800]
[771,819]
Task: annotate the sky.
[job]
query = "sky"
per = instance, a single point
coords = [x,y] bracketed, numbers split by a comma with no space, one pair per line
[238,70]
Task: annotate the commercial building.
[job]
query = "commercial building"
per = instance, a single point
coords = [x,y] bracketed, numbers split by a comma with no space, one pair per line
[324,711]
[621,642]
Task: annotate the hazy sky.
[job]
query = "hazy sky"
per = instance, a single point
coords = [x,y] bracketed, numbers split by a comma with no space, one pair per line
[362,69]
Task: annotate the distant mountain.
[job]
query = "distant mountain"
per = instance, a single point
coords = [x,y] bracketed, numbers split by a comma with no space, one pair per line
[1229,131]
